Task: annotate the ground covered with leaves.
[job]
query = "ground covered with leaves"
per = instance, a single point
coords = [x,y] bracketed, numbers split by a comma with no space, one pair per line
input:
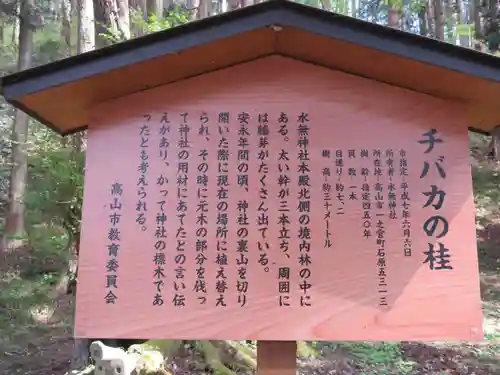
[36,321]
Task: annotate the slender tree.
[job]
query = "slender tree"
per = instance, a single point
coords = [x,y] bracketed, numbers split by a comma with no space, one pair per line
[14,223]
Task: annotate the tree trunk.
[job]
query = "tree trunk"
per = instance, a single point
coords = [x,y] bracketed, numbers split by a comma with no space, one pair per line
[169,4]
[86,31]
[104,22]
[112,19]
[219,6]
[422,21]
[463,40]
[85,43]
[429,15]
[354,8]
[233,4]
[15,26]
[153,8]
[478,26]
[81,356]
[2,30]
[327,5]
[77,142]
[139,6]
[14,224]
[73,8]
[204,9]
[66,24]
[123,19]
[192,6]
[438,19]
[393,15]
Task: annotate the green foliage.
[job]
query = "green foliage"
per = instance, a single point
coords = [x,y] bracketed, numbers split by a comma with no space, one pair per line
[381,358]
[418,5]
[465,30]
[19,299]
[55,189]
[49,46]
[174,17]
[493,41]
[53,207]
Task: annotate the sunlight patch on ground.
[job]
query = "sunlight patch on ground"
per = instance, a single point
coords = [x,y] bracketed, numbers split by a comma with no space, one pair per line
[42,313]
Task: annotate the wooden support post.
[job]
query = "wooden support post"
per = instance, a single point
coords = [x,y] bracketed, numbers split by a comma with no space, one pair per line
[276,358]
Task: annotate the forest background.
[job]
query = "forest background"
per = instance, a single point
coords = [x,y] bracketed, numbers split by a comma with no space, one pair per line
[41,184]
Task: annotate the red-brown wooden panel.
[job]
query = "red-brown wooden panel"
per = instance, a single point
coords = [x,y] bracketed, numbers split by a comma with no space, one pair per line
[367,281]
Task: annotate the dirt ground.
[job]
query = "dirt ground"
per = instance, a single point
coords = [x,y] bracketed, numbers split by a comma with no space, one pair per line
[46,349]
[45,346]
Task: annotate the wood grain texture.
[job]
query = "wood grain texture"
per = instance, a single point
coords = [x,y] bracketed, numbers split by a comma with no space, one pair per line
[384,67]
[345,113]
[67,106]
[276,358]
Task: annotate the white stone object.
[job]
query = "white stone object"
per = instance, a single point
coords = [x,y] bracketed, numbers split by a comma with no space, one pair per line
[101,352]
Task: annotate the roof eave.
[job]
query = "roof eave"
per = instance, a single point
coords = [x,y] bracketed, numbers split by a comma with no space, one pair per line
[273,12]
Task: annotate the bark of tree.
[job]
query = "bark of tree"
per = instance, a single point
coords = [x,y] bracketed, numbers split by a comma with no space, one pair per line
[353,8]
[393,15]
[154,7]
[429,15]
[2,29]
[111,17]
[478,26]
[326,4]
[204,9]
[66,24]
[139,6]
[169,4]
[463,40]
[85,43]
[422,20]
[123,18]
[192,6]
[233,4]
[14,27]
[14,224]
[81,356]
[102,22]
[438,19]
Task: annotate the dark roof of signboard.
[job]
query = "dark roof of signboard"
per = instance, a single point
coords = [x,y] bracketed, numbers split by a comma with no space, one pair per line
[59,94]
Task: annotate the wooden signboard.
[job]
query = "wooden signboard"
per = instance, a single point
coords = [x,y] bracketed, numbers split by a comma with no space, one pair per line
[278,200]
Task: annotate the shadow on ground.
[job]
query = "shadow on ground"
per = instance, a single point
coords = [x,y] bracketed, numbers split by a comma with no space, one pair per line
[34,345]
